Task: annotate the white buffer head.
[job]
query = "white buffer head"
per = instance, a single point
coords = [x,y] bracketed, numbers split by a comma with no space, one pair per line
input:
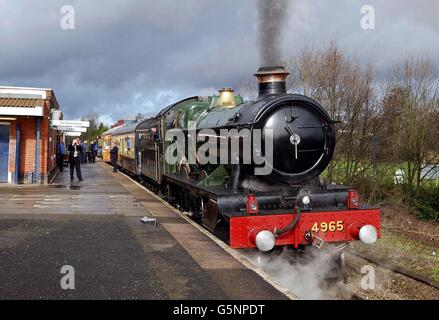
[368,234]
[265,241]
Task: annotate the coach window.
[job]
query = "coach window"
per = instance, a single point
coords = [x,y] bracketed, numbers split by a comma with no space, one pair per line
[156,134]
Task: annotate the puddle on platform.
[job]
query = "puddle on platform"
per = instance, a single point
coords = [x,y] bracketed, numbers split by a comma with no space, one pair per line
[65,186]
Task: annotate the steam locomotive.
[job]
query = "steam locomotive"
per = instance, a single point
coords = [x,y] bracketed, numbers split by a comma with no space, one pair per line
[287,206]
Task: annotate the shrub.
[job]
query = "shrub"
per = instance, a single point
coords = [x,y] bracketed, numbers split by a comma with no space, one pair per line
[427,203]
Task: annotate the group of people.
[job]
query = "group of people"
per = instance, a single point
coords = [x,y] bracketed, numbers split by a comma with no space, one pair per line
[89,151]
[79,151]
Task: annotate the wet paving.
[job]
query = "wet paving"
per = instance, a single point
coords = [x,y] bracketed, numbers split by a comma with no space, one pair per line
[94,226]
[97,194]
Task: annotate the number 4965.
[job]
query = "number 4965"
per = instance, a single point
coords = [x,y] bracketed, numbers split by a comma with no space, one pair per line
[331,226]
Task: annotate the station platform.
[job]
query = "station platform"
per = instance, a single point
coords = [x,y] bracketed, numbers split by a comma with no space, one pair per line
[94,226]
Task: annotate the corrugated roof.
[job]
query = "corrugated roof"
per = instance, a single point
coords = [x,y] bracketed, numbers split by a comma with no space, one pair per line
[21,103]
[143,124]
[125,129]
[110,131]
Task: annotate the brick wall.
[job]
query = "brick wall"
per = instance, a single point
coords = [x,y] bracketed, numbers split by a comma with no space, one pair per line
[28,147]
[48,142]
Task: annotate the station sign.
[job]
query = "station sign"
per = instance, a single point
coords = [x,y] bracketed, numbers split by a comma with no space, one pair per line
[70,129]
[72,134]
[70,123]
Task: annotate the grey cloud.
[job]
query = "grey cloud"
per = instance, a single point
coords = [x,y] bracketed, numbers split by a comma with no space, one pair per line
[138,56]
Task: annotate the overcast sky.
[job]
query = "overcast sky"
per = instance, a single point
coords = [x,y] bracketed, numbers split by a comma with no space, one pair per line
[131,56]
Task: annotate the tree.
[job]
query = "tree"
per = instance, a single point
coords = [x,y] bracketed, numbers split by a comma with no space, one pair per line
[248,88]
[94,130]
[411,108]
[345,89]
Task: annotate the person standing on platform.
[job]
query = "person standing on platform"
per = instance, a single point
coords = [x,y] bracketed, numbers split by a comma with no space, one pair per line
[83,152]
[114,154]
[75,150]
[61,153]
[88,153]
[95,151]
[81,144]
[92,152]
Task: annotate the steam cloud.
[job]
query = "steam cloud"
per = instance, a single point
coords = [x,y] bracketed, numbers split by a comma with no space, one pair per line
[272,15]
[304,279]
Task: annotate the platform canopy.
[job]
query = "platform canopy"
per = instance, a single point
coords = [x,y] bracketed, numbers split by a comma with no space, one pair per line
[18,101]
[21,107]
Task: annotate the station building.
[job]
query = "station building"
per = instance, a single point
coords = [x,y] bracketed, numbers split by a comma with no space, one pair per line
[27,142]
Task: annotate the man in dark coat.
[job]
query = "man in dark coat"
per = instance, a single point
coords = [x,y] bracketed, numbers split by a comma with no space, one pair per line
[114,153]
[93,151]
[61,153]
[75,151]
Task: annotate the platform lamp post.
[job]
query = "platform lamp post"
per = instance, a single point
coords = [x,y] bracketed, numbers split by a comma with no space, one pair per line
[37,151]
[17,153]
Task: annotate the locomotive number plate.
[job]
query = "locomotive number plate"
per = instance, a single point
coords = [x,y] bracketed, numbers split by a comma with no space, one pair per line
[331,226]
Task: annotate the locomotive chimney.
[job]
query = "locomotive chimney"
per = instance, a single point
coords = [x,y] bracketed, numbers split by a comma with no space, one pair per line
[271,80]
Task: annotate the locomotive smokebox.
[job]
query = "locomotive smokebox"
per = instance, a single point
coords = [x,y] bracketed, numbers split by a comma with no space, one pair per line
[271,81]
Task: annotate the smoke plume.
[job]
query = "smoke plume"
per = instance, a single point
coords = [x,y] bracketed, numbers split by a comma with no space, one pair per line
[303,278]
[272,15]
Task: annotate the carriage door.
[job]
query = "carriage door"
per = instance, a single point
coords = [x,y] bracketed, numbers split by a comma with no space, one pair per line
[157,154]
[4,152]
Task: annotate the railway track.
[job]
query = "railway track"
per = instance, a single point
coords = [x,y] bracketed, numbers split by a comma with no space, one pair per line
[345,293]
[349,289]
[397,269]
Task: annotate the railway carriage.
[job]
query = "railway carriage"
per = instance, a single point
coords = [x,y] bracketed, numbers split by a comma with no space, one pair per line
[105,141]
[125,139]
